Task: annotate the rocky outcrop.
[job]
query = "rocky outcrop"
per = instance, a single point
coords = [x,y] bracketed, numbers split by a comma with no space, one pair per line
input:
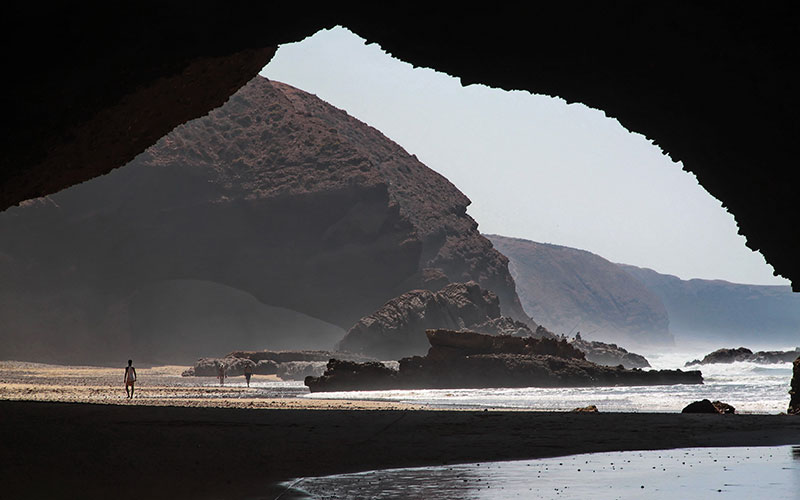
[299,370]
[287,365]
[733,355]
[609,354]
[567,289]
[397,328]
[794,401]
[706,406]
[289,356]
[586,409]
[276,195]
[472,360]
[208,367]
[719,311]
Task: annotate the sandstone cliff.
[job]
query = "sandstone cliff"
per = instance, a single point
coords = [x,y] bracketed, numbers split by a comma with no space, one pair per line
[569,290]
[276,196]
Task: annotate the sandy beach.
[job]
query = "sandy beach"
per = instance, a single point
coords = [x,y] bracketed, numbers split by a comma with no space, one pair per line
[69,432]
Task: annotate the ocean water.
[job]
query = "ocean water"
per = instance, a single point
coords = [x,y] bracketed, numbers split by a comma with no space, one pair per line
[689,473]
[749,387]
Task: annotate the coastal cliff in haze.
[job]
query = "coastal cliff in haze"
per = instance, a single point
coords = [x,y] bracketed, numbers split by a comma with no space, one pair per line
[569,290]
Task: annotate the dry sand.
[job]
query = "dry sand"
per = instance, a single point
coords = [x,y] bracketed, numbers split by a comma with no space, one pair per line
[184,440]
[156,386]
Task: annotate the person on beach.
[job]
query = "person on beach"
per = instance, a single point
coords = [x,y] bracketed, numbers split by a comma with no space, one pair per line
[248,372]
[221,373]
[130,378]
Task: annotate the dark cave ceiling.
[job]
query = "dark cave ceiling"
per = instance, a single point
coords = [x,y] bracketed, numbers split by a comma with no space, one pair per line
[87,87]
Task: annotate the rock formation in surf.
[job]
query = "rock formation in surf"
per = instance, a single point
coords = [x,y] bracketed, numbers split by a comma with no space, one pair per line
[609,354]
[398,327]
[276,195]
[463,359]
[732,355]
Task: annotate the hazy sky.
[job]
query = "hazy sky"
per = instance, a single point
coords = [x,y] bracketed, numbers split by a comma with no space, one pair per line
[533,166]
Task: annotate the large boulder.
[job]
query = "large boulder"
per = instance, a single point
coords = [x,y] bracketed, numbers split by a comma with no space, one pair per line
[397,328]
[706,406]
[351,376]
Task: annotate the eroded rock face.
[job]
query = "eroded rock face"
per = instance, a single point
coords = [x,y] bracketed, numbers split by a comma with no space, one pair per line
[398,328]
[610,354]
[472,360]
[276,194]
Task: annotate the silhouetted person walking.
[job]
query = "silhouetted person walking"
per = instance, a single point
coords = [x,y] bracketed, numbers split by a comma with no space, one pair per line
[221,373]
[130,379]
[248,372]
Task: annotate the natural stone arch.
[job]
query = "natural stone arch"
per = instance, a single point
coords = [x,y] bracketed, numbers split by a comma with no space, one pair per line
[710,85]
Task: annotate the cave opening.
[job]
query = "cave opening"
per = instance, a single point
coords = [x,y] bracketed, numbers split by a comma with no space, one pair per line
[534,166]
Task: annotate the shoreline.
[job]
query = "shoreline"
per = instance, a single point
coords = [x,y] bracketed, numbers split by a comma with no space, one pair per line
[49,448]
[70,432]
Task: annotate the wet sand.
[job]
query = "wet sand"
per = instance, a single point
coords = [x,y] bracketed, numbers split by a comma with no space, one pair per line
[184,444]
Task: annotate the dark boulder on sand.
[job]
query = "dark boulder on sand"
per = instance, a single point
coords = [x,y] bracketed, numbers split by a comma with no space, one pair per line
[397,328]
[794,402]
[463,359]
[706,406]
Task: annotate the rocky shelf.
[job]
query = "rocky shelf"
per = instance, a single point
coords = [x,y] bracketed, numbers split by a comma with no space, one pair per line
[744,354]
[463,359]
